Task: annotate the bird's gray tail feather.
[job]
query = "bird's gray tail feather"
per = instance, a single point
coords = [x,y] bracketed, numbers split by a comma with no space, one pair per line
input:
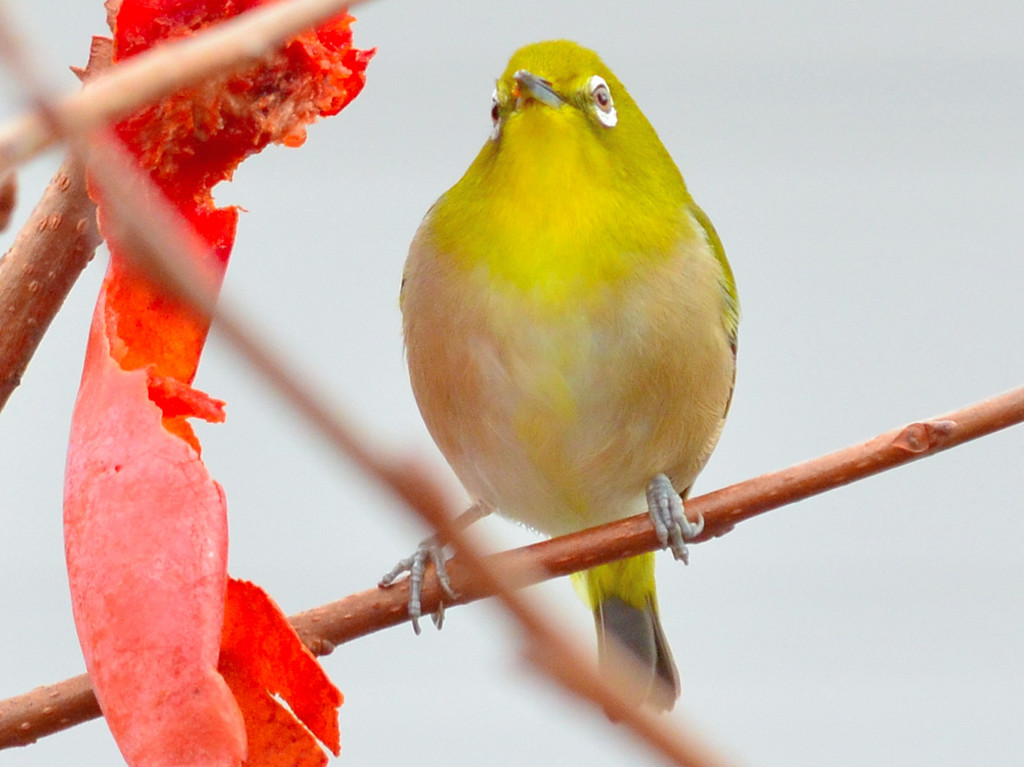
[638,631]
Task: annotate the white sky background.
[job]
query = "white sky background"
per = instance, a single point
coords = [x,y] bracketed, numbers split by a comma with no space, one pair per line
[865,169]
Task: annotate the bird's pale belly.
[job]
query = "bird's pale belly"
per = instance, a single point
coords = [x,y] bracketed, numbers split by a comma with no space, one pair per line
[560,420]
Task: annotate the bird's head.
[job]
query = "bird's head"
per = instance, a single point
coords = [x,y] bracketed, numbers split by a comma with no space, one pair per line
[572,179]
[557,103]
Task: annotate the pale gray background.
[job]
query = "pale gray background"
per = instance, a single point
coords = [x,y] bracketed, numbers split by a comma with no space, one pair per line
[864,166]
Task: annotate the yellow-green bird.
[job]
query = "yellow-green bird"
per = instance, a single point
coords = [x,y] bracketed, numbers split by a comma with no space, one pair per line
[570,323]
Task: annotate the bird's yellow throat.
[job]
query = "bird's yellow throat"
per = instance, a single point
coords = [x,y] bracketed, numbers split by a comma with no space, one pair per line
[554,208]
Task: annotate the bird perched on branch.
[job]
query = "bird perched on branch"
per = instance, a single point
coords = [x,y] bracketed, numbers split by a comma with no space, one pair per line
[570,322]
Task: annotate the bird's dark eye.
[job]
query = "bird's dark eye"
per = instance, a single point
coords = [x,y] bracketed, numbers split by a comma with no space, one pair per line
[601,95]
[495,115]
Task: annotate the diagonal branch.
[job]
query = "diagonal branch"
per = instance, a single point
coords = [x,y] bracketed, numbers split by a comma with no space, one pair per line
[8,197]
[46,710]
[37,273]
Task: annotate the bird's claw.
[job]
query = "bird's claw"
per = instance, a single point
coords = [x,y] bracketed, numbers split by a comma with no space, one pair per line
[429,550]
[670,523]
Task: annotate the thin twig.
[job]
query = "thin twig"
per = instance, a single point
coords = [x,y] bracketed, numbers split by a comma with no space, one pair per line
[46,710]
[36,274]
[52,248]
[162,70]
[8,197]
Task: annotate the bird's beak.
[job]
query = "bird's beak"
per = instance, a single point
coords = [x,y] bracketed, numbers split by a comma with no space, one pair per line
[537,88]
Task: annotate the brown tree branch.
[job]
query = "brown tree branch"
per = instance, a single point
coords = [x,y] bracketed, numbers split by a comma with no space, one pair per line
[46,710]
[52,248]
[8,197]
[36,274]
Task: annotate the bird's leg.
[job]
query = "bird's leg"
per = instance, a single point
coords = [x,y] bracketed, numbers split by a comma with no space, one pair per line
[431,550]
[670,523]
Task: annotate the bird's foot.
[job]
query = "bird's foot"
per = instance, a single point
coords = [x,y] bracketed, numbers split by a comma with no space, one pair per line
[429,550]
[670,523]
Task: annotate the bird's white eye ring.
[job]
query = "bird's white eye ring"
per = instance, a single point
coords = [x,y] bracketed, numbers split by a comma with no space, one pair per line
[604,106]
